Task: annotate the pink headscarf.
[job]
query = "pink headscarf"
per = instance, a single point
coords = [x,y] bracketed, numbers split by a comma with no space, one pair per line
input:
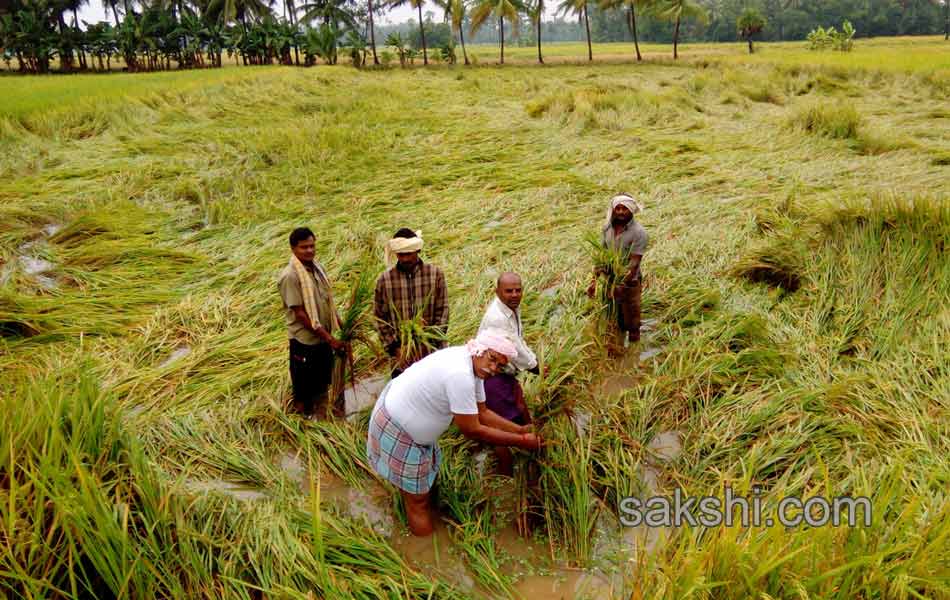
[491,339]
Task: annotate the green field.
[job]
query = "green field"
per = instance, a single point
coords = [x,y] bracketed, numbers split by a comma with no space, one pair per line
[798,286]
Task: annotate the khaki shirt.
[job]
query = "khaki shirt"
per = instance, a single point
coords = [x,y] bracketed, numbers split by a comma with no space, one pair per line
[292,295]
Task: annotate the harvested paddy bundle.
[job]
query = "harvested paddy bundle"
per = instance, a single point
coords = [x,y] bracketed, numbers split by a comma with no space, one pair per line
[613,264]
[416,337]
[356,326]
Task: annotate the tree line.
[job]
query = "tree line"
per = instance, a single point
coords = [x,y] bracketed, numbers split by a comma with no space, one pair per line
[148,35]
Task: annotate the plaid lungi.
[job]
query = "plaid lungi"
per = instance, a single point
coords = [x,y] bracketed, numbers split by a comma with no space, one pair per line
[397,458]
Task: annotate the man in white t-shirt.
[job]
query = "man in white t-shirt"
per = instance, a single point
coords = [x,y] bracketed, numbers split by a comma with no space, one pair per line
[416,408]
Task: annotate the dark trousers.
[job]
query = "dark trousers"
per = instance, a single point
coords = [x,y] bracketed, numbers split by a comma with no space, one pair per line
[628,308]
[311,370]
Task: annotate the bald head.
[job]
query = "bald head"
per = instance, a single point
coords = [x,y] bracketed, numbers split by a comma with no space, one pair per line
[508,289]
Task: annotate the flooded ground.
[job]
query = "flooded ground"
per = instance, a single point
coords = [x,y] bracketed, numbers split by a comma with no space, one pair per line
[529,563]
[363,395]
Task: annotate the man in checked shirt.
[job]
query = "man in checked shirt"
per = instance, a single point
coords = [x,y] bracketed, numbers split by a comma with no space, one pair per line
[410,288]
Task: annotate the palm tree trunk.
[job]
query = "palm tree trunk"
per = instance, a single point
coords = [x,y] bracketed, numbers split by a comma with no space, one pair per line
[633,28]
[82,52]
[501,36]
[676,37]
[66,58]
[751,51]
[115,13]
[538,23]
[590,52]
[462,39]
[422,30]
[372,32]
[128,11]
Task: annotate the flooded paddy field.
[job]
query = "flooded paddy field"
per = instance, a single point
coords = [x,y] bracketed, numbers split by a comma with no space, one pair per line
[794,337]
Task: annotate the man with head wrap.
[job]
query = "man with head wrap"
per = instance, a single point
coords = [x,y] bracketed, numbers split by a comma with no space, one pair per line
[410,288]
[621,232]
[415,409]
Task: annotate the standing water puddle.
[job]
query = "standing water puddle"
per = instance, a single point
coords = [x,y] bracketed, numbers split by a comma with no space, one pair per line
[438,556]
[363,395]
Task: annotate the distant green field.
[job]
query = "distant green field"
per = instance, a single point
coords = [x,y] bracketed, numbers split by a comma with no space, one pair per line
[25,95]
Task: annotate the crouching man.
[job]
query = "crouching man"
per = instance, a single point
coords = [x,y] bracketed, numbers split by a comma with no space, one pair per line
[417,407]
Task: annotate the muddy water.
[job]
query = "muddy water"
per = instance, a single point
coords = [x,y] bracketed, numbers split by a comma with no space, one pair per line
[527,561]
[363,395]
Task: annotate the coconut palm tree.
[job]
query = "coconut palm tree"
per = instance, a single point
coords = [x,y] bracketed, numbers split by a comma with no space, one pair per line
[676,11]
[372,31]
[631,6]
[749,23]
[454,11]
[330,12]
[498,8]
[417,4]
[578,8]
[536,12]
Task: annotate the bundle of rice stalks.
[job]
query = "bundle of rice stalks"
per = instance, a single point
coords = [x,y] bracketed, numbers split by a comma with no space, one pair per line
[356,327]
[417,338]
[570,505]
[613,265]
[561,362]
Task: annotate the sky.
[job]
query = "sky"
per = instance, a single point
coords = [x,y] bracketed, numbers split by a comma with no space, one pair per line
[95,12]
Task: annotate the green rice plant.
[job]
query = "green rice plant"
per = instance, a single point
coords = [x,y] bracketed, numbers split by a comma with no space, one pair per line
[417,337]
[612,265]
[175,214]
[570,506]
[779,261]
[342,449]
[835,121]
[873,143]
[356,326]
[562,369]
[464,498]
[687,302]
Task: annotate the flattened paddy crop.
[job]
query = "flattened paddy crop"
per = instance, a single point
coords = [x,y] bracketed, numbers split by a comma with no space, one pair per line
[797,285]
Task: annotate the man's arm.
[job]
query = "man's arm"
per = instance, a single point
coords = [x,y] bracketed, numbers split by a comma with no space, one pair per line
[634,270]
[384,320]
[490,418]
[472,427]
[318,330]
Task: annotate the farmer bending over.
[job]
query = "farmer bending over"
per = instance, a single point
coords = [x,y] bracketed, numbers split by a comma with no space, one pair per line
[503,393]
[311,318]
[408,289]
[415,409]
[621,232]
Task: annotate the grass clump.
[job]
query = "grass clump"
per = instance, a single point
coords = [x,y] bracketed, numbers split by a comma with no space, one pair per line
[780,262]
[835,121]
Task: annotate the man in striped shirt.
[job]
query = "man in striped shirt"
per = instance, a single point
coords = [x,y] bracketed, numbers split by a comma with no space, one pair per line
[410,303]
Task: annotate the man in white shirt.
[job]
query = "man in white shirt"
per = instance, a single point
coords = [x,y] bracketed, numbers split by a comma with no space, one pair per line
[416,408]
[503,393]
